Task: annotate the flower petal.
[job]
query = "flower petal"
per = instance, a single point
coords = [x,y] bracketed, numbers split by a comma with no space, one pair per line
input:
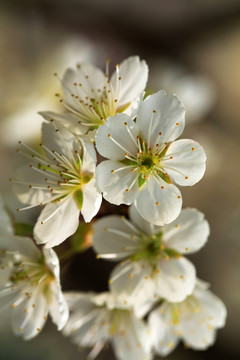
[136,344]
[6,227]
[56,137]
[92,200]
[35,321]
[158,202]
[127,279]
[22,245]
[69,120]
[215,307]
[81,81]
[160,113]
[113,236]
[185,162]
[118,184]
[176,280]
[188,233]
[164,339]
[31,191]
[117,137]
[143,225]
[134,75]
[58,227]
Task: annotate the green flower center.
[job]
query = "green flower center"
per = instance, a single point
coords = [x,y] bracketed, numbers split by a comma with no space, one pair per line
[152,248]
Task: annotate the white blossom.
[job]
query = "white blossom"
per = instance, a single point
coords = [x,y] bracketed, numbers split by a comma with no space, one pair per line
[145,161]
[93,96]
[195,321]
[97,320]
[151,262]
[63,178]
[29,283]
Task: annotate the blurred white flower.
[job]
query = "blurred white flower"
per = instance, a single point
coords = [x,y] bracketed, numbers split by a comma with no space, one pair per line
[63,177]
[29,283]
[196,91]
[152,265]
[96,320]
[93,96]
[26,75]
[145,159]
[195,321]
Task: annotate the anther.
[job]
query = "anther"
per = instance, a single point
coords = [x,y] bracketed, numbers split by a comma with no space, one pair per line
[171,157]
[130,276]
[109,135]
[112,171]
[162,187]
[30,186]
[125,123]
[154,111]
[186,177]
[179,197]
[177,124]
[193,149]
[157,203]
[127,190]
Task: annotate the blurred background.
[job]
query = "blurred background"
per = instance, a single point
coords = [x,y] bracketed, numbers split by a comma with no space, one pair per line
[192,49]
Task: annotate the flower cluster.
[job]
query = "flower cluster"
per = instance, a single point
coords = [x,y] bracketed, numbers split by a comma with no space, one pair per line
[112,142]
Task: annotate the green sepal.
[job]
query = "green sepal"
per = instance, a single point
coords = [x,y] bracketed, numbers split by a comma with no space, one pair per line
[128,162]
[141,181]
[171,252]
[78,195]
[165,178]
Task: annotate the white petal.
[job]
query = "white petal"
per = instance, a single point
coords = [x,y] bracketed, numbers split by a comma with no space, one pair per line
[58,308]
[176,279]
[143,225]
[127,279]
[114,182]
[113,236]
[60,226]
[69,120]
[32,191]
[197,332]
[214,306]
[187,165]
[113,139]
[188,233]
[134,75]
[92,200]
[158,202]
[20,244]
[35,321]
[6,227]
[169,119]
[52,262]
[136,344]
[56,137]
[164,339]
[89,76]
